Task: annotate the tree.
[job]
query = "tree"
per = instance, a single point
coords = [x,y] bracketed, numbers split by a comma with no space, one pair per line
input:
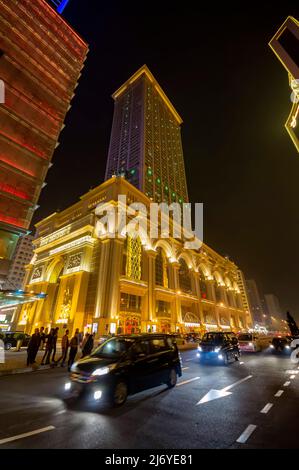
[292,325]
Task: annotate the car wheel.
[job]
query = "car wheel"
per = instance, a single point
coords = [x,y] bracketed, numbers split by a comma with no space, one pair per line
[8,346]
[172,379]
[120,394]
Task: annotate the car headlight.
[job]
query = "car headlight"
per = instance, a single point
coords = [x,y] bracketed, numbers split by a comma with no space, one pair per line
[287,347]
[251,344]
[271,346]
[103,370]
[199,348]
[217,349]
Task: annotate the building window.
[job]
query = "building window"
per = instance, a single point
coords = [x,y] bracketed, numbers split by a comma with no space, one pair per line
[163,309]
[131,303]
[184,277]
[133,258]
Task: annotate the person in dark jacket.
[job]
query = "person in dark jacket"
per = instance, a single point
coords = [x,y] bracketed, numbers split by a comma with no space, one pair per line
[54,343]
[42,337]
[33,347]
[49,347]
[74,343]
[88,346]
[64,348]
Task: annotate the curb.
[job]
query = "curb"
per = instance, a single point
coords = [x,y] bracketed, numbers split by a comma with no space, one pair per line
[24,370]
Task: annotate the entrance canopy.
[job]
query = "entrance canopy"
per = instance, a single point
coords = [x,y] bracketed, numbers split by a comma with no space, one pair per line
[13,298]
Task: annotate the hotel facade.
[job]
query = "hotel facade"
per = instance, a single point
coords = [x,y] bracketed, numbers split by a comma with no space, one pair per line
[95,282]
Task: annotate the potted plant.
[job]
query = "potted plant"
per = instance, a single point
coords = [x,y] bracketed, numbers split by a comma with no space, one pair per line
[20,338]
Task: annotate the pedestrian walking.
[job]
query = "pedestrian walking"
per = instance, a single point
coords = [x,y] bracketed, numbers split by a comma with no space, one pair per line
[64,348]
[33,347]
[88,346]
[42,337]
[49,347]
[54,343]
[74,343]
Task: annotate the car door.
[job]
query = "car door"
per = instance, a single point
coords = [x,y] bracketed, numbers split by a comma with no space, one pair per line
[161,353]
[142,367]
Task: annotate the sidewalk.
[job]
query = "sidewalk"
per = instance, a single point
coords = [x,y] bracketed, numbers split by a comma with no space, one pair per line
[15,362]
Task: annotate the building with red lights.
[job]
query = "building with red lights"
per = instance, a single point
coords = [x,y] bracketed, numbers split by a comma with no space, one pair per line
[41,58]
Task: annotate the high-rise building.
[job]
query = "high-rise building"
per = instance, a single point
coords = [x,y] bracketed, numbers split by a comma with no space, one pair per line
[22,256]
[285,44]
[41,58]
[273,307]
[145,144]
[255,302]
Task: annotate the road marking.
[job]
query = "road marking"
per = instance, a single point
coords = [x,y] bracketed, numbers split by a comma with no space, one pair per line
[292,371]
[60,412]
[241,363]
[286,384]
[279,393]
[26,434]
[223,392]
[185,368]
[267,408]
[236,383]
[292,376]
[187,360]
[187,381]
[246,434]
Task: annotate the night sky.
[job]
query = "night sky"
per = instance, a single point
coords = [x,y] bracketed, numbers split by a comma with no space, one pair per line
[233,95]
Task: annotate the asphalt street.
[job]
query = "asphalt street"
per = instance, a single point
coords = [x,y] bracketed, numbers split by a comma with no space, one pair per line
[252,403]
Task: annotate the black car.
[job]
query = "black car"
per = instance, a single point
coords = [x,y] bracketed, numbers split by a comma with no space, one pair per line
[10,339]
[219,346]
[124,365]
[281,344]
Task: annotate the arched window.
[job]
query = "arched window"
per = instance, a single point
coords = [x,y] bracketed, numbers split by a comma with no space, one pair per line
[203,287]
[133,258]
[184,276]
[161,268]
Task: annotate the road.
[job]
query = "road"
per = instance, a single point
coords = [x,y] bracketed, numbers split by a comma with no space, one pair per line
[181,418]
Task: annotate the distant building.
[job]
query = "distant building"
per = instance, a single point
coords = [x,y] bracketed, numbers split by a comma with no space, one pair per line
[145,144]
[22,256]
[255,302]
[273,307]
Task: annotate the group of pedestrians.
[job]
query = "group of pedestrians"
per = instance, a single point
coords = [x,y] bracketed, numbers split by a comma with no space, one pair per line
[69,347]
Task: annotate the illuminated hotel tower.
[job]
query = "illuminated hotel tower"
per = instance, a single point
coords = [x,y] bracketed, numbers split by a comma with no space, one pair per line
[145,144]
[41,57]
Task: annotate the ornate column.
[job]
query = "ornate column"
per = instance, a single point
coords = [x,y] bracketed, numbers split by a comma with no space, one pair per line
[196,290]
[151,278]
[176,286]
[114,275]
[104,265]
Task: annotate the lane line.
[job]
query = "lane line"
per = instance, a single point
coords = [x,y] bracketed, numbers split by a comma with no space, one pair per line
[286,384]
[291,371]
[292,376]
[188,360]
[187,381]
[279,393]
[247,433]
[185,368]
[241,363]
[26,434]
[267,408]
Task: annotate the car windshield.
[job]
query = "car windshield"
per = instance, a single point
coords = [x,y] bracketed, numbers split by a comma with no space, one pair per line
[113,348]
[213,337]
[245,337]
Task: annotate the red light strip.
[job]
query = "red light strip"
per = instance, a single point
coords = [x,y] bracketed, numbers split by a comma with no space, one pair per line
[10,163]
[7,188]
[22,144]
[10,220]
